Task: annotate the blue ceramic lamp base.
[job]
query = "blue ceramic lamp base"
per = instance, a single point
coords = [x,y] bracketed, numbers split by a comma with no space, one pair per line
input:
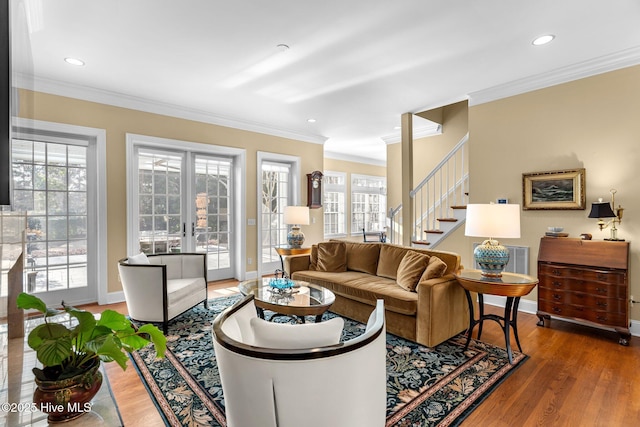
[492,257]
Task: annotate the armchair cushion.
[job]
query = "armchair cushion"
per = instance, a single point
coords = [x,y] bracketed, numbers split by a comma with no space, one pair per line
[288,336]
[140,259]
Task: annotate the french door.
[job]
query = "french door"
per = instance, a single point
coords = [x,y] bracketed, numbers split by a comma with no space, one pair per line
[184,204]
[55,186]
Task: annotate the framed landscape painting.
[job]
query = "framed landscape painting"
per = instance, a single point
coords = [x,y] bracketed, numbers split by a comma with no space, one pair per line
[554,189]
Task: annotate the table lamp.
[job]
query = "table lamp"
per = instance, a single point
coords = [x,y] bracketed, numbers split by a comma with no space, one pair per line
[602,209]
[492,220]
[296,216]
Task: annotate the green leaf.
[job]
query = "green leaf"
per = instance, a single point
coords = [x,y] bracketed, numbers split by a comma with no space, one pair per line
[86,320]
[157,338]
[28,302]
[114,320]
[53,351]
[110,350]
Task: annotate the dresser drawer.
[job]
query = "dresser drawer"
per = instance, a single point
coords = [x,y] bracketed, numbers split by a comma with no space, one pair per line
[614,277]
[581,299]
[584,313]
[572,284]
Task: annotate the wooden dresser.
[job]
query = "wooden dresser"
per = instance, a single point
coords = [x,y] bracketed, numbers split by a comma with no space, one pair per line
[585,280]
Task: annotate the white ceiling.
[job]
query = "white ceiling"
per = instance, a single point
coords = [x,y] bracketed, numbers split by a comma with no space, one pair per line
[353,65]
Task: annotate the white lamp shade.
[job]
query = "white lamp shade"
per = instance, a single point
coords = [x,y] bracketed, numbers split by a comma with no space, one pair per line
[493,220]
[298,215]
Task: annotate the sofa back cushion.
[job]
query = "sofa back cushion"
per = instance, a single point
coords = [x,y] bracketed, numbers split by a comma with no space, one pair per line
[390,258]
[411,269]
[363,257]
[332,256]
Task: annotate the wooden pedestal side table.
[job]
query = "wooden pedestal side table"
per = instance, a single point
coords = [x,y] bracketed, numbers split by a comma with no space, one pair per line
[510,285]
[286,250]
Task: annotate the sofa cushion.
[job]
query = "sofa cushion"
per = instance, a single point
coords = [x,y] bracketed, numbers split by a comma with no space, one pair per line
[364,288]
[363,257]
[390,257]
[435,268]
[287,336]
[313,258]
[332,256]
[411,269]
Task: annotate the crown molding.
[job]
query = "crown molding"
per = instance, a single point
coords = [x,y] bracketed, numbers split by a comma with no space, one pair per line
[353,158]
[603,64]
[421,132]
[115,99]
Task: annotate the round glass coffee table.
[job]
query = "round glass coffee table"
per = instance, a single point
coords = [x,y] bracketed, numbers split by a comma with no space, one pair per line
[304,299]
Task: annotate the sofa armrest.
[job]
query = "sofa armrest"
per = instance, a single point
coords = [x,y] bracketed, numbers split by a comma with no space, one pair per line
[443,311]
[297,263]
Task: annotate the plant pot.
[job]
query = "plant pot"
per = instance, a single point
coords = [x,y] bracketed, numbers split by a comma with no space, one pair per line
[67,399]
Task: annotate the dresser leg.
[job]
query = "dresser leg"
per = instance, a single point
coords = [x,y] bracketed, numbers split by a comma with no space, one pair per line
[624,336]
[542,317]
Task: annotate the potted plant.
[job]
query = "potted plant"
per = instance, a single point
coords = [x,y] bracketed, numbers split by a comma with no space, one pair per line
[71,354]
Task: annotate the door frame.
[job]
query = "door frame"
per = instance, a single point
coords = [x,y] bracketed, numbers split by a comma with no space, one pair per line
[239,172]
[97,139]
[295,162]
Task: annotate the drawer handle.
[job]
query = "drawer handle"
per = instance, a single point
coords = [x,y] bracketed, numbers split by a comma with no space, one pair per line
[557,284]
[602,318]
[579,308]
[557,297]
[556,272]
[601,304]
[557,309]
[601,290]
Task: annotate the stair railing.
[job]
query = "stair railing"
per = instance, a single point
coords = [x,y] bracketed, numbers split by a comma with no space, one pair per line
[447,185]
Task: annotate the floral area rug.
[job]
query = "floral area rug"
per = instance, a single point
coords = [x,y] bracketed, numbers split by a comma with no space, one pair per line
[437,386]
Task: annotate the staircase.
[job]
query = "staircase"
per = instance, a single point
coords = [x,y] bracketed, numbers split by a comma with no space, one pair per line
[439,201]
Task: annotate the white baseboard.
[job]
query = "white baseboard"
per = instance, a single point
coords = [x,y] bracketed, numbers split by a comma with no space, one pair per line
[115,297]
[250,275]
[531,307]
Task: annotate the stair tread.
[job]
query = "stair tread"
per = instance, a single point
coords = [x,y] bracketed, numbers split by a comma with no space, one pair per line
[434,231]
[459,207]
[420,242]
[448,219]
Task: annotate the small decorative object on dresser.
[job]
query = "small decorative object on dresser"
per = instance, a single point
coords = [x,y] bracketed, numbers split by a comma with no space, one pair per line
[585,280]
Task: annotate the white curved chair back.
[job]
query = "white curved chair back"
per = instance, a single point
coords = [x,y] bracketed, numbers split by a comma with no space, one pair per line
[339,385]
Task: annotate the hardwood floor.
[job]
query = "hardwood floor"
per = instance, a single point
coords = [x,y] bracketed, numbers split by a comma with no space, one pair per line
[575,376]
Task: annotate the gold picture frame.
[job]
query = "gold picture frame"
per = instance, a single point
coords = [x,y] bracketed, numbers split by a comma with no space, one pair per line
[559,190]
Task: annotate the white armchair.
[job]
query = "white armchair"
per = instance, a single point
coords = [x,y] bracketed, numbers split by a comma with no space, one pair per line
[159,287]
[337,384]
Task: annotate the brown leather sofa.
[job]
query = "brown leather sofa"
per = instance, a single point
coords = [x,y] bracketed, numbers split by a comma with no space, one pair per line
[423,301]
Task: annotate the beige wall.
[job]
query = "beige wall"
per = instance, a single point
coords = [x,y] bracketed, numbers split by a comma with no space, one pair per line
[119,121]
[349,168]
[591,123]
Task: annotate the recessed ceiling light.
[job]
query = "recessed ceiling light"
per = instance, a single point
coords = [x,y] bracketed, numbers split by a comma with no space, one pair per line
[397,127]
[311,120]
[74,61]
[282,47]
[539,41]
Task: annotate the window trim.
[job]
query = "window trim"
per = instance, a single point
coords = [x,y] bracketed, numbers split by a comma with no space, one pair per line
[336,188]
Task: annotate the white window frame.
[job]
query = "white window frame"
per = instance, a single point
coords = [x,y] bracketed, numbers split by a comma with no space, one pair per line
[336,188]
[367,190]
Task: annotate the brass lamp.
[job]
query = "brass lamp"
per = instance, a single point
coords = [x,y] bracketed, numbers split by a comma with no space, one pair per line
[602,209]
[492,220]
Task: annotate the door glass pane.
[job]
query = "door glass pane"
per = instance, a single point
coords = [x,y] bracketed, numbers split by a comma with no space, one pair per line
[160,211]
[52,183]
[213,216]
[275,196]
